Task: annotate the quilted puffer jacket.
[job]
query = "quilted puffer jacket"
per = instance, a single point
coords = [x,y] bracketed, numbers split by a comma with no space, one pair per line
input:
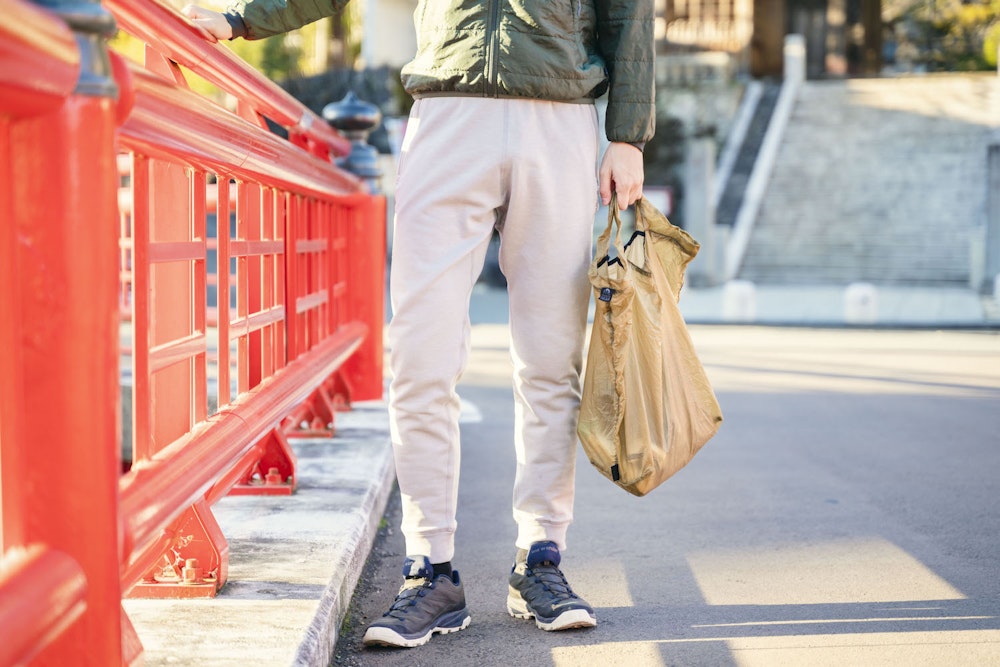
[557,50]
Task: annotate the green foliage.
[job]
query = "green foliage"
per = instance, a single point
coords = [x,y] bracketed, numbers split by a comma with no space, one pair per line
[951,34]
[279,57]
[275,57]
[350,28]
[990,45]
[135,50]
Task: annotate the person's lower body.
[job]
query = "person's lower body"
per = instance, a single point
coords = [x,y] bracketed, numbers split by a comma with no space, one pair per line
[468,166]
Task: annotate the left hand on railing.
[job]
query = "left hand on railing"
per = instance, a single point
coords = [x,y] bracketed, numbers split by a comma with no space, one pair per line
[213,23]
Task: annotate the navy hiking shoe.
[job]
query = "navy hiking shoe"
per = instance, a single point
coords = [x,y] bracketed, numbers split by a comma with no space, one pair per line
[425,604]
[538,589]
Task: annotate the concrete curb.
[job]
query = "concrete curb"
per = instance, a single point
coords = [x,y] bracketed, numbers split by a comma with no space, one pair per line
[320,639]
[827,305]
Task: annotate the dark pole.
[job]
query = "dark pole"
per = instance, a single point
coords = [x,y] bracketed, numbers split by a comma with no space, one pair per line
[356,119]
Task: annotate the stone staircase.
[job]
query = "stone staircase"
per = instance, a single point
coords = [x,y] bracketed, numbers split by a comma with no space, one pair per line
[877,180]
[735,187]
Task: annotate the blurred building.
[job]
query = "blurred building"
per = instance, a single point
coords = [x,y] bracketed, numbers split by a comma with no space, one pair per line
[843,37]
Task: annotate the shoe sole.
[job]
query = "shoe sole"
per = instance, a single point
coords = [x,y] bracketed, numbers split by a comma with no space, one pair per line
[378,636]
[572,618]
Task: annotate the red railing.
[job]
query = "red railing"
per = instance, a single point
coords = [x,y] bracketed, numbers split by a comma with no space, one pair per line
[215,391]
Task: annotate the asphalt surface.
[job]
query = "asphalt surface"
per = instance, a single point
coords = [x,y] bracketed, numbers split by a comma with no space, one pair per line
[845,514]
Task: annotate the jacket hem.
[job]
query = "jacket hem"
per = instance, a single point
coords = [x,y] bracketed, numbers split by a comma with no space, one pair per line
[453,93]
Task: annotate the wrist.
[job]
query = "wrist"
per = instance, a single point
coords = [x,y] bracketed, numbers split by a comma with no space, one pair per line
[237,25]
[638,145]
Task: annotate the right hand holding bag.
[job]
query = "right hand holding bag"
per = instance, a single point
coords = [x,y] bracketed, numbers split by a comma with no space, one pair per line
[647,406]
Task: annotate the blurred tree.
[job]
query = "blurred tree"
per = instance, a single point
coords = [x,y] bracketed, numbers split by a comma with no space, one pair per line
[280,56]
[312,49]
[946,34]
[991,44]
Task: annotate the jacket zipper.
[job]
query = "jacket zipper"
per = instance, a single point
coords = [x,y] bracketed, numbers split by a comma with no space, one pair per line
[493,49]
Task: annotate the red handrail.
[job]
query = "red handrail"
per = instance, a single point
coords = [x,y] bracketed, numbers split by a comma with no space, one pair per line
[171,35]
[173,123]
[49,588]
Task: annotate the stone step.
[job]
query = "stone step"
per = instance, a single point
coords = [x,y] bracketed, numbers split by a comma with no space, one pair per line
[877,179]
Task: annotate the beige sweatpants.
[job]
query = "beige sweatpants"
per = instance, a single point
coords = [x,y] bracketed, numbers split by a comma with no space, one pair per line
[467,165]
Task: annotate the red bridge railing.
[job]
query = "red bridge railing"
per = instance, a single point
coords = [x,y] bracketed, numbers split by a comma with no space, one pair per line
[107,201]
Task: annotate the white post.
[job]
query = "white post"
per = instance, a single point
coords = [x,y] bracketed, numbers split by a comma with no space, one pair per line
[861,303]
[991,265]
[699,210]
[739,301]
[795,58]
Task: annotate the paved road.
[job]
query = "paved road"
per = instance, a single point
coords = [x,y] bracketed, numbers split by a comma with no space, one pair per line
[845,514]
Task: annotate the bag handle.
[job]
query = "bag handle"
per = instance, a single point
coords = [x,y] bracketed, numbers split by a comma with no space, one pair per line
[641,224]
[604,240]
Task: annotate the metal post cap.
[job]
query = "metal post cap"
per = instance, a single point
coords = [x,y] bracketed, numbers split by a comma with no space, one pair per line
[352,114]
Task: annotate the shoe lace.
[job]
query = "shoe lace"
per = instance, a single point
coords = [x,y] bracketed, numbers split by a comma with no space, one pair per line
[409,594]
[552,580]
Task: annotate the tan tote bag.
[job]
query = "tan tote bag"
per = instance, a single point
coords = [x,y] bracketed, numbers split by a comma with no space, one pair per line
[647,405]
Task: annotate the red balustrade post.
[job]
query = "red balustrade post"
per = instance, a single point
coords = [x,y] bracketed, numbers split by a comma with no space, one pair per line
[366,295]
[42,591]
[366,245]
[65,259]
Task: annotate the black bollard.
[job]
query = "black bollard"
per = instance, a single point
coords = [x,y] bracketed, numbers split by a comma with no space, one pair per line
[356,119]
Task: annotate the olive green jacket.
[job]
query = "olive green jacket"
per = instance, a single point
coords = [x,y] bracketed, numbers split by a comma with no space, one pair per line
[557,50]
